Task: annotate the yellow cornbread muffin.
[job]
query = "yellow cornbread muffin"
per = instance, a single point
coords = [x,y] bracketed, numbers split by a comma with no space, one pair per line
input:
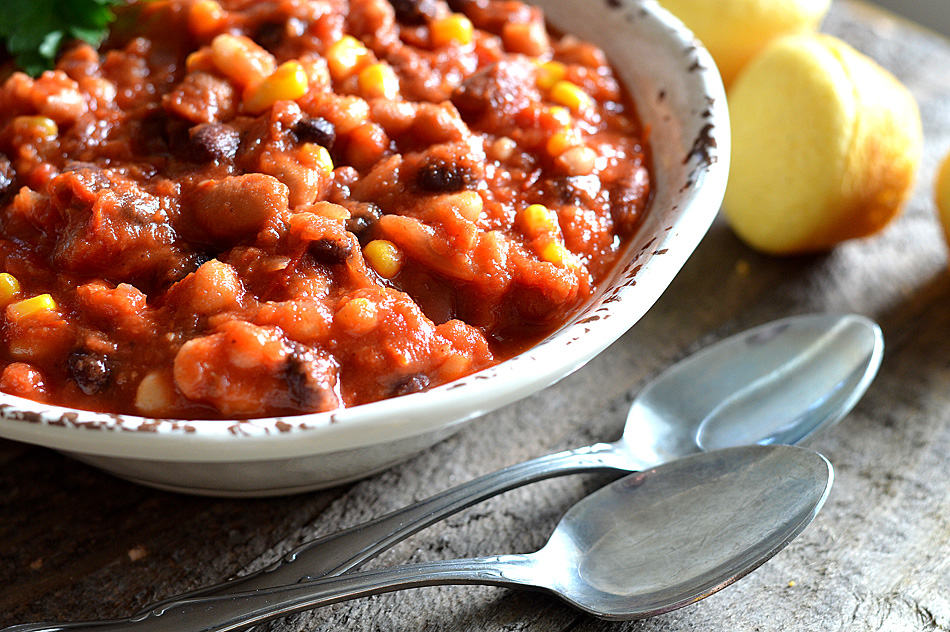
[735,30]
[825,146]
[942,195]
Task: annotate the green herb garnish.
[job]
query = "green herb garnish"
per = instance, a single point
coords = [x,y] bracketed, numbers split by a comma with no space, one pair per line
[33,30]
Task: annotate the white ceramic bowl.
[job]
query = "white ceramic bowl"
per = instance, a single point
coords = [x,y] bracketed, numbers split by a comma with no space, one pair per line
[680,99]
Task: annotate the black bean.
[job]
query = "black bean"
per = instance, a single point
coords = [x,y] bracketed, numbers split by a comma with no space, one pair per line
[7,176]
[331,251]
[270,34]
[197,259]
[153,136]
[438,176]
[91,371]
[310,379]
[214,141]
[459,6]
[315,130]
[411,384]
[177,131]
[362,216]
[414,11]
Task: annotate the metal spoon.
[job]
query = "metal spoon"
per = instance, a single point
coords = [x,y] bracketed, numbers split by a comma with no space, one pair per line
[643,545]
[777,383]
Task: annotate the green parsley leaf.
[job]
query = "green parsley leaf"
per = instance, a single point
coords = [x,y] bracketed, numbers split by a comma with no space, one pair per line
[33,30]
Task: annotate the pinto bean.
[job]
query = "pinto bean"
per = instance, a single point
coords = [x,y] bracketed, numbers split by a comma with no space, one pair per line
[411,384]
[238,206]
[311,379]
[201,98]
[628,198]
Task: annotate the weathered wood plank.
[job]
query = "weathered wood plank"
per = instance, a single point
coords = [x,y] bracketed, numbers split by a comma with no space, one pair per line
[76,543]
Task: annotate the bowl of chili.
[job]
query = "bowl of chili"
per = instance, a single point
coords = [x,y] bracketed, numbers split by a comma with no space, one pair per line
[278,230]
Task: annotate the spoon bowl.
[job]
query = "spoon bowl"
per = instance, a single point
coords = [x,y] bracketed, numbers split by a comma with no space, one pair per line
[780,382]
[667,537]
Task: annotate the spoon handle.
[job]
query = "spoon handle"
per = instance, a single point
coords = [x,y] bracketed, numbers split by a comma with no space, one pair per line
[239,611]
[339,552]
[345,550]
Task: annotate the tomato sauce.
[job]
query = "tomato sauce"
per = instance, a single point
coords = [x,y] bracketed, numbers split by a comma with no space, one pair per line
[242,208]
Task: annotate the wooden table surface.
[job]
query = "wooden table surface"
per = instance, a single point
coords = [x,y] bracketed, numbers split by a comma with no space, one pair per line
[78,544]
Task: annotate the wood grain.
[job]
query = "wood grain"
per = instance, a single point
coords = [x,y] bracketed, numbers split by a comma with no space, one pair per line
[78,544]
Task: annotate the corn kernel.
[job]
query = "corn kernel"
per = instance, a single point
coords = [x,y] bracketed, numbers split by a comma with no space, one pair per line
[502,149]
[287,83]
[577,161]
[379,81]
[453,28]
[205,17]
[384,256]
[36,126]
[469,204]
[561,141]
[549,73]
[9,287]
[558,116]
[323,159]
[30,306]
[358,316]
[570,95]
[241,60]
[537,219]
[316,156]
[346,56]
[555,252]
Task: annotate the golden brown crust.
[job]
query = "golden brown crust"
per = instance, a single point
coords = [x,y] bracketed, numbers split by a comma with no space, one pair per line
[886,150]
